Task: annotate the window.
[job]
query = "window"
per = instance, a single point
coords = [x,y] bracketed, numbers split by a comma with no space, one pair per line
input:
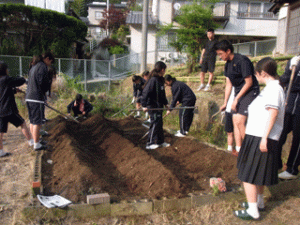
[163,42]
[255,10]
[98,15]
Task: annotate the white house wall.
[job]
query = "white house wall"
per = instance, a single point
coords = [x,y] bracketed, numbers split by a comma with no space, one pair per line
[247,27]
[165,11]
[293,34]
[136,42]
[57,5]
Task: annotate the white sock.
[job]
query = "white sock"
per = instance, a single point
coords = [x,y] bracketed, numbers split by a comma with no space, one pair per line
[253,210]
[238,148]
[138,113]
[207,85]
[30,142]
[229,148]
[260,201]
[146,115]
[37,145]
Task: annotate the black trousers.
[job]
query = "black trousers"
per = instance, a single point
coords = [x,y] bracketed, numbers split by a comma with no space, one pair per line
[156,132]
[291,123]
[185,119]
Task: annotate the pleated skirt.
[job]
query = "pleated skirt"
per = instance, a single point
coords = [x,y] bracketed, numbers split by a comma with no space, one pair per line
[256,167]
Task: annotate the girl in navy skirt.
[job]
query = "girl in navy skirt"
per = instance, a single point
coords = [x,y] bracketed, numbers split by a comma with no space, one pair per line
[257,160]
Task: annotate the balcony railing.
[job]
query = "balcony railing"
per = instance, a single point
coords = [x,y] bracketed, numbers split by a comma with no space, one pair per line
[256,15]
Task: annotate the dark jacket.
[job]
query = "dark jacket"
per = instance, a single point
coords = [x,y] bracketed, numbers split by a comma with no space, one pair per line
[8,104]
[87,106]
[182,94]
[38,82]
[138,88]
[293,104]
[154,95]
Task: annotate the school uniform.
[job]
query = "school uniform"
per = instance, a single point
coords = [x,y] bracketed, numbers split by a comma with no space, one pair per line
[154,96]
[291,120]
[80,108]
[138,89]
[256,167]
[228,114]
[184,95]
[237,70]
[8,108]
[38,85]
[209,57]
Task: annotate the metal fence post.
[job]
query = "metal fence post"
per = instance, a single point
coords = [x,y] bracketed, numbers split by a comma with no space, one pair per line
[20,66]
[255,48]
[59,66]
[109,75]
[85,77]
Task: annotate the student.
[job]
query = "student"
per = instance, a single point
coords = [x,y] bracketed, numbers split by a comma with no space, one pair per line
[9,112]
[291,120]
[257,161]
[239,72]
[154,96]
[184,95]
[38,85]
[229,123]
[79,106]
[145,75]
[138,85]
[208,60]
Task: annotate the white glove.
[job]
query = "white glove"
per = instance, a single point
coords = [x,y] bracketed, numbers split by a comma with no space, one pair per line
[133,100]
[294,61]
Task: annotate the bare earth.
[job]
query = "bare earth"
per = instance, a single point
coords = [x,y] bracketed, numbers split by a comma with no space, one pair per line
[99,155]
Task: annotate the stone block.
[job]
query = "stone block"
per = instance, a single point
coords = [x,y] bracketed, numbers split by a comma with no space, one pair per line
[172,204]
[98,199]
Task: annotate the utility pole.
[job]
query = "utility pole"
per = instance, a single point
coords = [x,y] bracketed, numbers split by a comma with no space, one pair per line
[144,36]
[107,8]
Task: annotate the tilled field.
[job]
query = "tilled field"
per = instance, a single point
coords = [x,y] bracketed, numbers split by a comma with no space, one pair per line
[100,155]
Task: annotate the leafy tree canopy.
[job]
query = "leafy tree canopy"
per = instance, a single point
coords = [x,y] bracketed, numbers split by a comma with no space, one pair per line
[39,29]
[190,28]
[115,17]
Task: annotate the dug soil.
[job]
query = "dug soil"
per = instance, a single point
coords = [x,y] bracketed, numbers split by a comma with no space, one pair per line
[100,155]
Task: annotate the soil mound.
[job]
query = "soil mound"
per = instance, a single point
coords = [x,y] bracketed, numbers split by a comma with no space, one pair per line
[99,155]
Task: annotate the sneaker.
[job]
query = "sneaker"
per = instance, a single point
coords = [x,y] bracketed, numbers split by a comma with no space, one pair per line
[44,133]
[164,145]
[153,146]
[207,88]
[137,116]
[287,176]
[42,147]
[179,135]
[200,87]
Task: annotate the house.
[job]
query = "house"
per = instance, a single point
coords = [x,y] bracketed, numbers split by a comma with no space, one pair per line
[288,25]
[95,15]
[240,21]
[57,5]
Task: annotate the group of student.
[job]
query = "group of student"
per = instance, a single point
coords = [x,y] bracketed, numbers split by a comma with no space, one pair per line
[149,92]
[260,120]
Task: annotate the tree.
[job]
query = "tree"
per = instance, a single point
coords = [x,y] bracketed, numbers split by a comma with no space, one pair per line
[191,27]
[39,29]
[115,17]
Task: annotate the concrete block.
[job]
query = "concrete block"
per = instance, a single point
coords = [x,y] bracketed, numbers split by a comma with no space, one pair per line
[172,204]
[98,199]
[89,211]
[126,209]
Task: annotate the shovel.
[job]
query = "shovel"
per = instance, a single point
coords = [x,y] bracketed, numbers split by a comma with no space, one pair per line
[66,116]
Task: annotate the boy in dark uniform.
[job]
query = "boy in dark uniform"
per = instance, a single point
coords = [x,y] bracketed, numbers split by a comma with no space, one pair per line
[184,95]
[239,72]
[208,60]
[9,112]
[291,120]
[138,85]
[79,106]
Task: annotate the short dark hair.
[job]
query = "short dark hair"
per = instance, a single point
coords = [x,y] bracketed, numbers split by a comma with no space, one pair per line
[78,97]
[169,78]
[146,73]
[3,68]
[135,78]
[224,45]
[211,30]
[268,65]
[49,55]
